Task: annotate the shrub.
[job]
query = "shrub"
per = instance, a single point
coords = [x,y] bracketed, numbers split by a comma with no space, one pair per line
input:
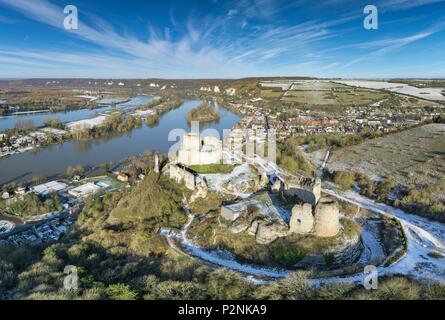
[344,179]
[120,292]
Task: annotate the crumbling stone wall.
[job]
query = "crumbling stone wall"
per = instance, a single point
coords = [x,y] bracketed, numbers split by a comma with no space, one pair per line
[179,175]
[316,189]
[302,220]
[267,233]
[304,195]
[307,190]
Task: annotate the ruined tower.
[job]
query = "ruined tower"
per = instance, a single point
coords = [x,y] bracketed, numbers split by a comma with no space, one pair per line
[302,220]
[323,221]
[327,218]
[156,163]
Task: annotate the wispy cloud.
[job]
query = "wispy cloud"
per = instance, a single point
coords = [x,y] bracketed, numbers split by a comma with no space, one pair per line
[246,39]
[405,4]
[192,51]
[382,47]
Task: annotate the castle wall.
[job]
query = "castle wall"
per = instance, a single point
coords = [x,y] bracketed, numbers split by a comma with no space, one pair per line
[231,213]
[317,190]
[304,195]
[180,175]
[302,220]
[307,190]
[189,157]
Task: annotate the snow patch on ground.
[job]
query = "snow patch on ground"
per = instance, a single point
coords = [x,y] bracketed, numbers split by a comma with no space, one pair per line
[373,248]
[216,182]
[424,237]
[87,123]
[402,88]
[224,258]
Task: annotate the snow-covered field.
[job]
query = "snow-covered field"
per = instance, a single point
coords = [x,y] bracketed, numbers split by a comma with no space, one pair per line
[283,85]
[402,88]
[87,123]
[144,113]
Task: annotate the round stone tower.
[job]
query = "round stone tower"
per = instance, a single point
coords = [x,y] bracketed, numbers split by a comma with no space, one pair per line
[327,218]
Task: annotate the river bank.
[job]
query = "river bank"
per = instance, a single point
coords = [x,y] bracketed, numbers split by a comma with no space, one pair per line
[37,120]
[54,159]
[26,141]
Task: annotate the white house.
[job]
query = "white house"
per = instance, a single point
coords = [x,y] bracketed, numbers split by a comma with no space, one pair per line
[231,91]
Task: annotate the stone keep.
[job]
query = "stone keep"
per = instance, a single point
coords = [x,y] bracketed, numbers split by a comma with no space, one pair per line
[302,220]
[327,218]
[189,151]
[195,151]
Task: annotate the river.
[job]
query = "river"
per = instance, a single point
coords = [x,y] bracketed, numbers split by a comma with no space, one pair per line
[54,160]
[38,119]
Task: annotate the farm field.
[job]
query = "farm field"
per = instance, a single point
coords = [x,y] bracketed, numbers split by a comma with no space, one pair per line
[338,94]
[434,94]
[319,92]
[315,85]
[414,156]
[271,94]
[344,97]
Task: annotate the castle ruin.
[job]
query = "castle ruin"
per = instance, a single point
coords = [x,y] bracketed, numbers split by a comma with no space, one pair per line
[197,151]
[307,190]
[323,220]
[316,215]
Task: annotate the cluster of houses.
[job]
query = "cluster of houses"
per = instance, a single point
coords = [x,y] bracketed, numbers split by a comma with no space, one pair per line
[12,144]
[70,193]
[308,122]
[21,143]
[217,89]
[158,86]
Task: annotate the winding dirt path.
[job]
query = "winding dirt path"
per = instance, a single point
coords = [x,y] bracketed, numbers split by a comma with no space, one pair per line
[424,258]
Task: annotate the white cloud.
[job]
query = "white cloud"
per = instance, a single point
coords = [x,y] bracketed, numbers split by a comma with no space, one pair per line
[193,53]
[204,46]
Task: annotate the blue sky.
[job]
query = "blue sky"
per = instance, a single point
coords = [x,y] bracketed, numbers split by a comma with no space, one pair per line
[222,39]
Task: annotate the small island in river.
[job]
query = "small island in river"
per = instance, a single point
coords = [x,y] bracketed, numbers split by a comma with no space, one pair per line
[203,113]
